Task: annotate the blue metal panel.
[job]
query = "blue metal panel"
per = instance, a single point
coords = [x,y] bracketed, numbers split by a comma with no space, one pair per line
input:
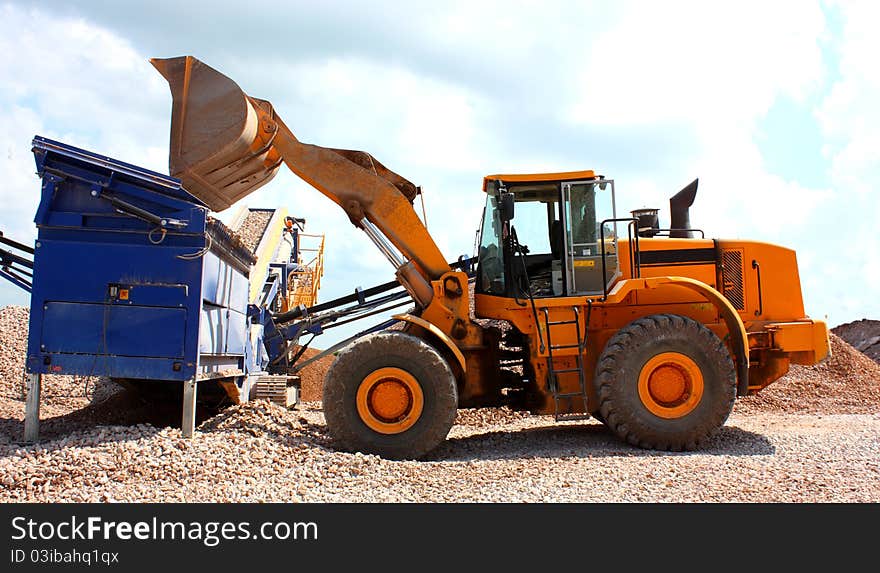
[77,328]
[151,294]
[212,332]
[211,268]
[71,271]
[82,270]
[236,336]
[101,168]
[238,298]
[141,367]
[224,286]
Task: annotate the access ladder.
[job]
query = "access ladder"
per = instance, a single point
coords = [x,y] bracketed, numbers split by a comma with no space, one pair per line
[553,372]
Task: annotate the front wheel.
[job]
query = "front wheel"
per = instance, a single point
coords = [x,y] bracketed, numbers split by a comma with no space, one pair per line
[665,382]
[390,394]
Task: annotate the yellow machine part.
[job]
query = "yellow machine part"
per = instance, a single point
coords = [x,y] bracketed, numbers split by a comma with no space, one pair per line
[265,252]
[305,283]
[539,177]
[755,306]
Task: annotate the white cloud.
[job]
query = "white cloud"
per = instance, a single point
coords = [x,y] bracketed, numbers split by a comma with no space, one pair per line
[849,115]
[709,72]
[21,186]
[430,124]
[715,64]
[69,80]
[850,121]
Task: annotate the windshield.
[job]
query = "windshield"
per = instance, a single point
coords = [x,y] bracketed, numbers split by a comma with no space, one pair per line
[490,272]
[583,218]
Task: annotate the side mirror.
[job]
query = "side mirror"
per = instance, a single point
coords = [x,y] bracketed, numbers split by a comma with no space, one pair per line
[505,206]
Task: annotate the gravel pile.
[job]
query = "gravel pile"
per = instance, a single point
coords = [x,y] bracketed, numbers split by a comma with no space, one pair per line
[863,335]
[253,226]
[312,376]
[770,451]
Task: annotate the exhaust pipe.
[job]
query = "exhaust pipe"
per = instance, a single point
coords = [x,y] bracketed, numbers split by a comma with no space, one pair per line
[679,211]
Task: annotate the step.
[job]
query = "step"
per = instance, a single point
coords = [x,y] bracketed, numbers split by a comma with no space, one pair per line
[564,346]
[565,370]
[570,395]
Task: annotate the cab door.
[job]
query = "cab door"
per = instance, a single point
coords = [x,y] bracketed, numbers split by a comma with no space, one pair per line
[590,237]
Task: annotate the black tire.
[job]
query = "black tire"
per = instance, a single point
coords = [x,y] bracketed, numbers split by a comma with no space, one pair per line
[618,372]
[390,349]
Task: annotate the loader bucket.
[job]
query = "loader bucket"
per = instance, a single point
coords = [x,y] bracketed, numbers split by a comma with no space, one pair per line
[221,139]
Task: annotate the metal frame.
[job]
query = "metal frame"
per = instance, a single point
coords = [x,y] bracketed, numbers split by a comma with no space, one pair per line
[285,329]
[568,246]
[188,417]
[633,242]
[32,408]
[660,232]
[14,267]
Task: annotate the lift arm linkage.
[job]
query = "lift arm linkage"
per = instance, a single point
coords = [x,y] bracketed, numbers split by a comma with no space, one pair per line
[225,144]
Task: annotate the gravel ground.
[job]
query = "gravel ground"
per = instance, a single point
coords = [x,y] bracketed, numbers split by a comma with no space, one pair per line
[790,445]
[261,452]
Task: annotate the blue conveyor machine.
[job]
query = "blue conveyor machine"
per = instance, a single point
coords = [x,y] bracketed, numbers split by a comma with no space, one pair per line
[132,278]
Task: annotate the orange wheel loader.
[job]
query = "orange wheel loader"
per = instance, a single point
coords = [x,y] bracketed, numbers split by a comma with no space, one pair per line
[654,332]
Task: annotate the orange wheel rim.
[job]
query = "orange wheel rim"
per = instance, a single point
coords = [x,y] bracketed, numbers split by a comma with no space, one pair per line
[390,400]
[670,385]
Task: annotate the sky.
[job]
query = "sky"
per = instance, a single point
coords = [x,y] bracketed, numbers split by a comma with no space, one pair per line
[771,104]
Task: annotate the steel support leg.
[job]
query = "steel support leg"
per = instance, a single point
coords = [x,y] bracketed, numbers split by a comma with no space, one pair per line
[32,408]
[188,426]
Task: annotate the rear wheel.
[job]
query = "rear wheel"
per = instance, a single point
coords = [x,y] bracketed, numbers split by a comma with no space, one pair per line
[390,394]
[665,382]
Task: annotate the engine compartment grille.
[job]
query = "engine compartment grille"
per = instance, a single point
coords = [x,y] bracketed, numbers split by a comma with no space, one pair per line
[732,277]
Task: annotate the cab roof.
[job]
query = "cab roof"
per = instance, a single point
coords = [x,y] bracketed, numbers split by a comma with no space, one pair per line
[539,177]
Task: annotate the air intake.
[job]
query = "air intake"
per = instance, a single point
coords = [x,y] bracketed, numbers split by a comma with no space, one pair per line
[649,221]
[732,277]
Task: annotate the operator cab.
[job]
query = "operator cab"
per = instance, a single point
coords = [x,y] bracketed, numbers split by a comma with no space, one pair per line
[548,235]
